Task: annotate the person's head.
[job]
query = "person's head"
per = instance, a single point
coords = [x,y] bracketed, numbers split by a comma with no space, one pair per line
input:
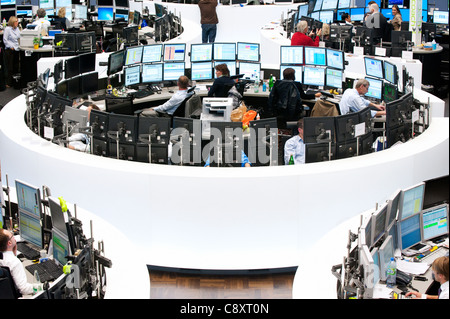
[13,22]
[62,12]
[300,127]
[289,74]
[222,69]
[325,29]
[362,86]
[346,17]
[7,240]
[92,107]
[440,269]
[373,7]
[41,13]
[183,82]
[395,10]
[302,26]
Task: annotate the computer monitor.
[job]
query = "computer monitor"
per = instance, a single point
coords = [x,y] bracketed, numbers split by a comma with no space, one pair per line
[434,222]
[375,88]
[29,198]
[46,4]
[136,17]
[374,67]
[318,5]
[201,71]
[88,83]
[263,136]
[230,64]
[248,51]
[224,51]
[24,11]
[133,55]
[326,16]
[132,75]
[318,129]
[440,17]
[411,201]
[329,4]
[313,76]
[368,268]
[74,118]
[172,71]
[115,62]
[291,54]
[105,13]
[87,62]
[400,38]
[80,12]
[345,126]
[429,31]
[201,52]
[73,87]
[152,53]
[157,154]
[390,72]
[61,247]
[59,218]
[386,252]
[390,92]
[409,232]
[30,229]
[400,133]
[315,56]
[250,70]
[379,222]
[152,73]
[319,152]
[174,52]
[333,78]
[405,14]
[393,202]
[347,148]
[357,14]
[125,125]
[122,151]
[387,13]
[376,265]
[154,130]
[297,68]
[72,67]
[121,14]
[366,232]
[131,35]
[335,58]
[227,136]
[99,123]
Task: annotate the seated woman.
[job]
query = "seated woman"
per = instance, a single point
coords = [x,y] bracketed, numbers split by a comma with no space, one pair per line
[222,83]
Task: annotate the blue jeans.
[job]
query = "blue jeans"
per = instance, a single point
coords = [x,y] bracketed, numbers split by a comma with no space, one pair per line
[209,33]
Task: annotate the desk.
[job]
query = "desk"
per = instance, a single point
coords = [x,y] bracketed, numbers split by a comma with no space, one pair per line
[431,61]
[28,70]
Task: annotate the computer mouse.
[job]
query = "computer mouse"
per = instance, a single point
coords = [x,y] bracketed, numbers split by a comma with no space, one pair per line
[170,91]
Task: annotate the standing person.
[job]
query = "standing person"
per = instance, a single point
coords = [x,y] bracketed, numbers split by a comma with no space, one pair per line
[11,36]
[397,18]
[208,20]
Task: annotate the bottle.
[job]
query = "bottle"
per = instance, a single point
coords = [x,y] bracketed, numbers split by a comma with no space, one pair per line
[433,44]
[4,23]
[41,42]
[256,87]
[264,86]
[291,160]
[258,117]
[391,273]
[271,82]
[36,283]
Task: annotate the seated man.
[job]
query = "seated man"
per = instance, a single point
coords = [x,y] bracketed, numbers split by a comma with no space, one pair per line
[167,109]
[353,101]
[295,146]
[41,22]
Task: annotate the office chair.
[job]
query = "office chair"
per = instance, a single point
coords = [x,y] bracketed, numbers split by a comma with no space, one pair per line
[7,287]
[181,110]
[325,108]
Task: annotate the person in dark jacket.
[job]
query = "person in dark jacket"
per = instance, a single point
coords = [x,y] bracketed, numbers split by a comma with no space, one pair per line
[222,83]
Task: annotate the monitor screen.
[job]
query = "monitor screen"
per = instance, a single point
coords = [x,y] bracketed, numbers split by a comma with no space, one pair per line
[105,14]
[89,83]
[375,88]
[409,232]
[224,51]
[121,13]
[248,51]
[333,78]
[121,3]
[152,73]
[58,219]
[24,11]
[172,71]
[30,229]
[357,14]
[291,54]
[61,248]
[302,10]
[376,265]
[80,12]
[317,129]
[28,198]
[329,4]
[435,222]
[316,56]
[201,71]
[326,16]
[134,55]
[343,4]
[393,207]
[115,62]
[390,72]
[201,52]
[46,4]
[72,67]
[230,64]
[374,67]
[297,68]
[315,15]
[335,59]
[411,201]
[313,76]
[387,13]
[250,70]
[405,14]
[440,17]
[386,252]
[379,225]
[318,5]
[87,62]
[152,53]
[132,75]
[174,52]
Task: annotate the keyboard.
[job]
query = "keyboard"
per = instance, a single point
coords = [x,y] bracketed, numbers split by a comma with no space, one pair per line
[29,252]
[47,270]
[441,251]
[142,93]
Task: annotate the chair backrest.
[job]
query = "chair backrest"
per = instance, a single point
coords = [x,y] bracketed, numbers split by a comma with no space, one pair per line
[324,108]
[7,287]
[180,111]
[193,106]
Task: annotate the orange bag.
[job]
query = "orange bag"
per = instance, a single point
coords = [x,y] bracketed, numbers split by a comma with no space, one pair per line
[248,116]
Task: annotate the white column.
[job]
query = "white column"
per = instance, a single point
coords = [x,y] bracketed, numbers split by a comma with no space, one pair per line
[415,20]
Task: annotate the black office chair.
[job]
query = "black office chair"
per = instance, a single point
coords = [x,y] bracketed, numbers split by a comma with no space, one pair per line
[7,287]
[181,110]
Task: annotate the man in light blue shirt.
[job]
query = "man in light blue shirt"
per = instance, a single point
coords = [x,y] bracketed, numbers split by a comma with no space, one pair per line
[295,146]
[168,108]
[353,101]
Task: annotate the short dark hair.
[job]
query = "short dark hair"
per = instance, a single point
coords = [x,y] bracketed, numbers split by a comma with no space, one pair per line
[223,68]
[345,15]
[41,13]
[300,123]
[289,74]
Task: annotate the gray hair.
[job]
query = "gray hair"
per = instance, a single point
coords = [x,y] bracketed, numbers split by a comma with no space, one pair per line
[375,7]
[301,26]
[363,82]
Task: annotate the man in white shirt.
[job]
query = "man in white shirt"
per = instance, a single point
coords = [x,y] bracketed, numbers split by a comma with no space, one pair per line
[353,101]
[41,23]
[8,246]
[295,146]
[439,270]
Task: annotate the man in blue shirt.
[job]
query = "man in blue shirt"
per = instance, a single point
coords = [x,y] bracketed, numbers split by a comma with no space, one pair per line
[168,108]
[295,146]
[353,101]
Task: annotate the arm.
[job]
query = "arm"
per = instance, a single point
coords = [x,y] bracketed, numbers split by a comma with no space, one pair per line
[175,100]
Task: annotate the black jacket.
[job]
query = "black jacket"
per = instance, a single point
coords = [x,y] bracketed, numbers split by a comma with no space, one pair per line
[284,102]
[221,86]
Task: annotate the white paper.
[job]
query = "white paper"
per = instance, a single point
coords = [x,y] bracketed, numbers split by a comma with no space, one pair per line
[380,51]
[360,129]
[48,132]
[412,267]
[415,116]
[358,50]
[407,55]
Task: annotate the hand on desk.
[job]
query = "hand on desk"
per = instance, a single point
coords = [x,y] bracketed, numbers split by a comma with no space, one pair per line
[318,94]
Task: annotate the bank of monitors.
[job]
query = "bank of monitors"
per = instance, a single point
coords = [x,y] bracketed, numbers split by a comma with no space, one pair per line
[173,70]
[335,59]
[409,232]
[152,53]
[152,73]
[435,222]
[313,76]
[115,62]
[132,75]
[250,70]
[174,52]
[230,64]
[345,126]
[297,68]
[390,72]
[315,56]
[411,201]
[318,129]
[202,52]
[374,67]
[133,55]
[248,51]
[375,88]
[224,51]
[333,78]
[201,71]
[291,54]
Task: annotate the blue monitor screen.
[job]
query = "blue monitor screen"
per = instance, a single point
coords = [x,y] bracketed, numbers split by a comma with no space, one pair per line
[409,232]
[302,11]
[374,67]
[440,17]
[248,51]
[45,4]
[329,4]
[172,71]
[375,88]
[326,16]
[318,5]
[105,14]
[343,4]
[201,52]
[133,55]
[357,14]
[291,54]
[334,78]
[230,64]
[387,13]
[313,76]
[316,56]
[335,59]
[250,70]
[152,53]
[390,72]
[224,51]
[405,14]
[397,2]
[298,71]
[201,71]
[8,2]
[340,12]
[435,222]
[132,75]
[424,16]
[152,73]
